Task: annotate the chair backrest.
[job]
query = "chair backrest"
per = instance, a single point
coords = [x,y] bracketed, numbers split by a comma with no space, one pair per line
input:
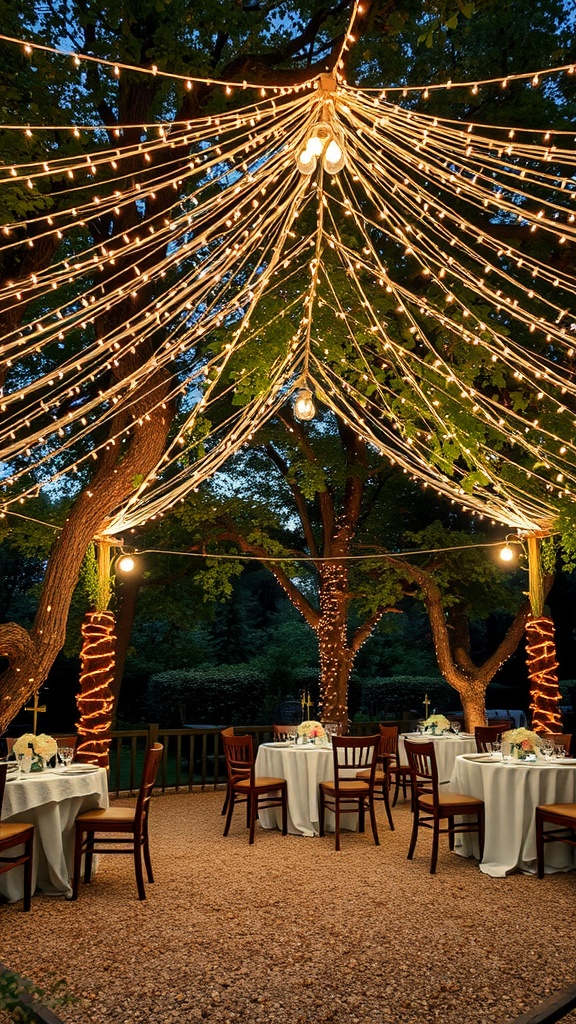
[561,739]
[10,741]
[486,735]
[423,768]
[388,739]
[502,723]
[282,731]
[149,773]
[239,753]
[351,753]
[67,741]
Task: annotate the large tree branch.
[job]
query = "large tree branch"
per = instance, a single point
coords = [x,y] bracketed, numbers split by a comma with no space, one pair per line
[299,498]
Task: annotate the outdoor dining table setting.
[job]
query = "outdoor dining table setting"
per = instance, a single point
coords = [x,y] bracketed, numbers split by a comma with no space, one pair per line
[511,789]
[304,766]
[50,800]
[447,747]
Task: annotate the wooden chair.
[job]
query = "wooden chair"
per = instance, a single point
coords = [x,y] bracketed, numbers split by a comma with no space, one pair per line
[13,834]
[431,806]
[486,735]
[281,732]
[10,741]
[502,723]
[246,787]
[563,818]
[131,823]
[347,793]
[387,757]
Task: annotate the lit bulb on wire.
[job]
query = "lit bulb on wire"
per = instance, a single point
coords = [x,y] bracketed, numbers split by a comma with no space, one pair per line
[304,406]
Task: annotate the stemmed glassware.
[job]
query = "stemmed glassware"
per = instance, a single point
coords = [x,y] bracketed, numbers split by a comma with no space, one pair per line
[456,726]
[547,747]
[66,755]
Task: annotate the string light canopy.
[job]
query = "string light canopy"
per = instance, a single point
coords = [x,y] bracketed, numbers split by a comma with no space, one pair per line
[322,241]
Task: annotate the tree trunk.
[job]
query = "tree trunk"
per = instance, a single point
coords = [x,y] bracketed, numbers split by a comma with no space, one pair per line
[336,655]
[542,665]
[95,698]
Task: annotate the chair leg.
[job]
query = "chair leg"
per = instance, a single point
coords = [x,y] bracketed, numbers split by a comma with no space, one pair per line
[337,824]
[396,790]
[361,822]
[414,835]
[481,832]
[138,869]
[226,799]
[253,805]
[386,795]
[284,810]
[451,833]
[146,851]
[321,809]
[435,842]
[372,811]
[28,849]
[231,803]
[78,836]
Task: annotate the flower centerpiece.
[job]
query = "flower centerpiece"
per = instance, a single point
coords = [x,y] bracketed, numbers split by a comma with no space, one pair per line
[436,724]
[312,732]
[40,748]
[523,743]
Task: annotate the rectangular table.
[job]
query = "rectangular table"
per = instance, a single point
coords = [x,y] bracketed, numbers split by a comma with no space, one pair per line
[511,791]
[50,801]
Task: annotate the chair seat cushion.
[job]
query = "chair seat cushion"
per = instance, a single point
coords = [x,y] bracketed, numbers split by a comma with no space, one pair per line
[102,815]
[12,829]
[564,810]
[352,787]
[365,774]
[261,782]
[448,800]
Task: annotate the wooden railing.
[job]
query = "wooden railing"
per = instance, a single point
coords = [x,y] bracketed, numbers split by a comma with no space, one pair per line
[193,758]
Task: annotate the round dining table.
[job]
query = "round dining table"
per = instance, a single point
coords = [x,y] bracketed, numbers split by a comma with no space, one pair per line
[304,766]
[447,747]
[511,791]
[50,800]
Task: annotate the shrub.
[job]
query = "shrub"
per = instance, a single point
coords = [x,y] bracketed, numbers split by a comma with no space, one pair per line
[393,695]
[215,695]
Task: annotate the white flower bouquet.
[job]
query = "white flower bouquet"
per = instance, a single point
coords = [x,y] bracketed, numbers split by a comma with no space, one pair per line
[523,742]
[43,745]
[311,730]
[436,724]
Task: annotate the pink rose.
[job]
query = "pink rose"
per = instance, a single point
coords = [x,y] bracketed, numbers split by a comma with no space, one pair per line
[526,745]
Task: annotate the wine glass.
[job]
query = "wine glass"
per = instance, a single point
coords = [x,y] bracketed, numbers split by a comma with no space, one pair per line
[560,750]
[496,746]
[456,726]
[66,755]
[547,747]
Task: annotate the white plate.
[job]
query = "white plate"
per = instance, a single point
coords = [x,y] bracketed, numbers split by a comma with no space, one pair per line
[80,769]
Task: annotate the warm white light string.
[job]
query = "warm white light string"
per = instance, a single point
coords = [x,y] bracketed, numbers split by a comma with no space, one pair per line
[383,148]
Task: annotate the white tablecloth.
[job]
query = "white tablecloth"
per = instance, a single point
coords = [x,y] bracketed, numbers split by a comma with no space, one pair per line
[50,801]
[303,767]
[511,792]
[446,748]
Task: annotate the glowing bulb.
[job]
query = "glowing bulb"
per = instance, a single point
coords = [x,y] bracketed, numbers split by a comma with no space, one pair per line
[304,407]
[506,553]
[334,158]
[126,564]
[306,161]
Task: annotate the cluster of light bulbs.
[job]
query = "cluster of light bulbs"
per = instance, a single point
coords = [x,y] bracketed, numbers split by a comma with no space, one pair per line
[325,143]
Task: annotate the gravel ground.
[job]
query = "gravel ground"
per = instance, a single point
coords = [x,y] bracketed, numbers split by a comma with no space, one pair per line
[291,931]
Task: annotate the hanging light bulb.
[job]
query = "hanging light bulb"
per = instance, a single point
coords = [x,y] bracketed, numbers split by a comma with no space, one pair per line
[306,161]
[304,406]
[334,157]
[126,563]
[324,143]
[506,553]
